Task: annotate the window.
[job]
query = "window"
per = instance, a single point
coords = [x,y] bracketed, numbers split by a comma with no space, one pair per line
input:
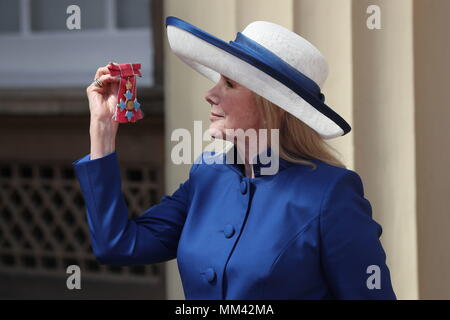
[38,50]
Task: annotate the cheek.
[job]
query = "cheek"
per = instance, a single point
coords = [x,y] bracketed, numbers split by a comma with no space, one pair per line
[243,115]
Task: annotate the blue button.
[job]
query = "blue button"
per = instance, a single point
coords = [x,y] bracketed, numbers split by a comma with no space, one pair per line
[210,274]
[243,186]
[228,231]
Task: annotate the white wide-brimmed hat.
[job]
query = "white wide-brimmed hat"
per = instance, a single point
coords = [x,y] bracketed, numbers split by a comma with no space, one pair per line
[268,59]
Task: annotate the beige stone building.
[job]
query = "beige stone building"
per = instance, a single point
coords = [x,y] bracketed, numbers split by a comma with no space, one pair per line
[393,87]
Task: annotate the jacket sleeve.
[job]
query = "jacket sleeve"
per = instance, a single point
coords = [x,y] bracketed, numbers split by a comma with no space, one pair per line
[352,255]
[116,239]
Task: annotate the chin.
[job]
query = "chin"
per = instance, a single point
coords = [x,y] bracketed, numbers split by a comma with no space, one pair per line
[215,132]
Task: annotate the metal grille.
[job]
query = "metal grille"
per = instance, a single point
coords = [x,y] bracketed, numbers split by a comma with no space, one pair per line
[43,225]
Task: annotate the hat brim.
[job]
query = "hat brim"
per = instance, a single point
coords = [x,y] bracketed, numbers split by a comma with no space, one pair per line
[212,57]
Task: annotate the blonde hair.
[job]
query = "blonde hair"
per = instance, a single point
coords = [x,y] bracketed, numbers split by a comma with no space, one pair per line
[298,142]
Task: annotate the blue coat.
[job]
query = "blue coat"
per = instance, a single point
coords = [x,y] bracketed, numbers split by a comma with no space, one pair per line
[298,234]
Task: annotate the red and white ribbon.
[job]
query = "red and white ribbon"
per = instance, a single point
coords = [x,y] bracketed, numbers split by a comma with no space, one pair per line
[128,109]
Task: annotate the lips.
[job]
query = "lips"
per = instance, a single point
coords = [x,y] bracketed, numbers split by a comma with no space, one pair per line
[214,116]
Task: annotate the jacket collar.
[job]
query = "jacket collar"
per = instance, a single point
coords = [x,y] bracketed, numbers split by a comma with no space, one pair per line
[262,160]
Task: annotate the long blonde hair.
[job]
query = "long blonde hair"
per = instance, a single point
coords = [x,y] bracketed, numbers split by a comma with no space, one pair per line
[298,142]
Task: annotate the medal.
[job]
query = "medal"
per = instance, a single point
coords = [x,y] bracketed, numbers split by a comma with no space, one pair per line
[128,108]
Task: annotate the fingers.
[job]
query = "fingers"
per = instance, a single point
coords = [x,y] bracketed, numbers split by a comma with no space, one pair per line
[104,70]
[105,79]
[103,75]
[101,71]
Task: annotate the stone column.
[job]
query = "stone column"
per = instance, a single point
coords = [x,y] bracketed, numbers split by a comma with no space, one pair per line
[384,131]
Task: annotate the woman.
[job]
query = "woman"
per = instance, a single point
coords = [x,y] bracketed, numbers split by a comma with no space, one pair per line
[302,232]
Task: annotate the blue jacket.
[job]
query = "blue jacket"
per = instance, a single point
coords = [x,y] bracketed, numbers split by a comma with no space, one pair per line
[298,234]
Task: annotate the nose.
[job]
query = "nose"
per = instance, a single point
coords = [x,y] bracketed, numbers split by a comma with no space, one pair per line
[211,96]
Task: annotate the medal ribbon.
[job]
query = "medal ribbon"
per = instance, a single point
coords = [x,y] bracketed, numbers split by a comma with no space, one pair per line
[128,108]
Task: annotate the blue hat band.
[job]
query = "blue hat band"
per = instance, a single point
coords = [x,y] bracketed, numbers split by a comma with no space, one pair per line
[277,68]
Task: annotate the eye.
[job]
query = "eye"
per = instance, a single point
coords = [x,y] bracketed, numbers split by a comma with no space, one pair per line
[229,84]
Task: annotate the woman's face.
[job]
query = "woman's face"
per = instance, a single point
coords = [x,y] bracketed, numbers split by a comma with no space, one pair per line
[232,107]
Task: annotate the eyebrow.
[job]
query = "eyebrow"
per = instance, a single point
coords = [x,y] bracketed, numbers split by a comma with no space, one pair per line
[228,79]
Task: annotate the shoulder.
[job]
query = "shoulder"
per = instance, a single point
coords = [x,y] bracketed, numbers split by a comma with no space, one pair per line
[343,180]
[324,178]
[324,168]
[343,198]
